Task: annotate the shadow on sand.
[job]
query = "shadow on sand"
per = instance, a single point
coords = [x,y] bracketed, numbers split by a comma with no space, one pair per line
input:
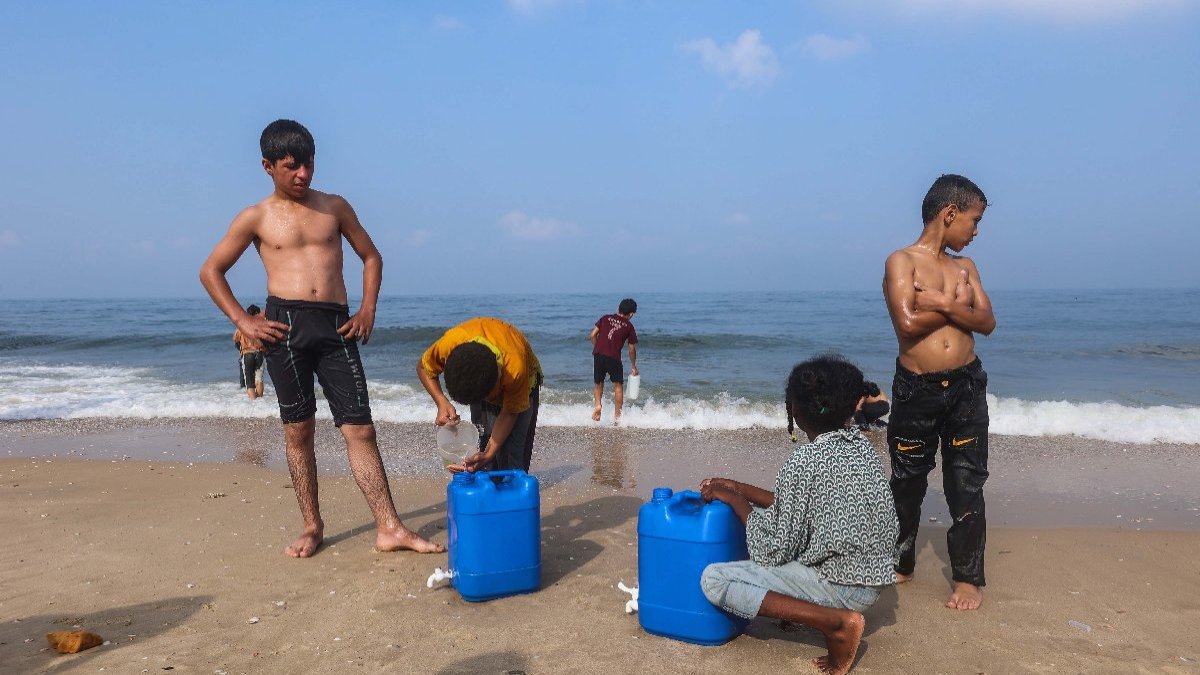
[500,663]
[564,549]
[116,625]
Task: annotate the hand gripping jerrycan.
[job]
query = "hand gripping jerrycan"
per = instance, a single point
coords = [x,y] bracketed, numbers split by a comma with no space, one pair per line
[678,536]
[494,523]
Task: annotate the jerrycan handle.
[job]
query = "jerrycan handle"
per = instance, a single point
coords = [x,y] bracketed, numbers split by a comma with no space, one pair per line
[686,502]
[506,475]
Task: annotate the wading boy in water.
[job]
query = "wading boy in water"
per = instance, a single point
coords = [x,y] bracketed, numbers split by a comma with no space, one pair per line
[822,545]
[937,304]
[608,336]
[308,329]
[251,360]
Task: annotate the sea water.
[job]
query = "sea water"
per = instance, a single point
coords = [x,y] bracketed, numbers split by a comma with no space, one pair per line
[1120,365]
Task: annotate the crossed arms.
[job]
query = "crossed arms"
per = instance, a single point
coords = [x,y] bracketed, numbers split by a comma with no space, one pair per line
[918,310]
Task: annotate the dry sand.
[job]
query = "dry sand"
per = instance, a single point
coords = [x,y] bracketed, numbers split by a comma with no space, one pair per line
[169,560]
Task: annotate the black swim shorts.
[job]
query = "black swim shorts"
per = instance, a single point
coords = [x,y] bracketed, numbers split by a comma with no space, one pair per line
[314,347]
[250,367]
[606,365]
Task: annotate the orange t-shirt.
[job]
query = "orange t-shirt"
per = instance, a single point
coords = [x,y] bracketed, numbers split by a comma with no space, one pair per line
[520,370]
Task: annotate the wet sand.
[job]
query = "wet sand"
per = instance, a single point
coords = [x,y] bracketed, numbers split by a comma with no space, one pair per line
[170,559]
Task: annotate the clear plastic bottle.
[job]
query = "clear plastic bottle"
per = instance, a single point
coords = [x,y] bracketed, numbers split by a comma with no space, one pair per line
[632,384]
[457,441]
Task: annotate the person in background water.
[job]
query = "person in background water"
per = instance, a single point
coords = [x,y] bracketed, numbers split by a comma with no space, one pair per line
[873,407]
[608,336]
[308,329]
[822,545]
[251,359]
[937,304]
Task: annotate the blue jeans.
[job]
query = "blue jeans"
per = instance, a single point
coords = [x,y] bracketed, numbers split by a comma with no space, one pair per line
[739,587]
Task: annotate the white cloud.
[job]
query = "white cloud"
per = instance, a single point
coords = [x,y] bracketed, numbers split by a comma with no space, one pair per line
[737,219]
[826,48]
[521,226]
[747,62]
[444,22]
[9,239]
[1060,10]
[531,7]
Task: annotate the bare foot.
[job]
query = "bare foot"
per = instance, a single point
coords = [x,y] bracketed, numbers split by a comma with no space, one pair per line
[596,414]
[842,645]
[965,596]
[404,539]
[903,578]
[306,544]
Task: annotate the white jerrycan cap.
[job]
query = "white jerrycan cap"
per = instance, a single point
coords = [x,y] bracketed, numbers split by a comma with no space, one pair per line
[456,441]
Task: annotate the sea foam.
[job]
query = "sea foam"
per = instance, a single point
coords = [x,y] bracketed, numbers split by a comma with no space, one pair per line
[76,391]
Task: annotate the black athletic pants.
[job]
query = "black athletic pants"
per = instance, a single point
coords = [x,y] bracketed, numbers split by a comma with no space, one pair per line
[946,408]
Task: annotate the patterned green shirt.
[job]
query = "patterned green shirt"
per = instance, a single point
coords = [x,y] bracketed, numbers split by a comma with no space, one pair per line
[833,511]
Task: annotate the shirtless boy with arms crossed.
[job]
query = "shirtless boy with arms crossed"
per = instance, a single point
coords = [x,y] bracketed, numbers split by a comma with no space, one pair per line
[307,328]
[937,303]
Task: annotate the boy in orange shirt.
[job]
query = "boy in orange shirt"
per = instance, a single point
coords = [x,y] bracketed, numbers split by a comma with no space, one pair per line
[490,366]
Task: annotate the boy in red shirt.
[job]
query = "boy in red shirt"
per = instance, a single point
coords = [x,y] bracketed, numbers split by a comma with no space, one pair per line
[608,336]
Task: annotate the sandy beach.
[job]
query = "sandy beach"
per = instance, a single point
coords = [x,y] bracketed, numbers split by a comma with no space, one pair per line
[166,538]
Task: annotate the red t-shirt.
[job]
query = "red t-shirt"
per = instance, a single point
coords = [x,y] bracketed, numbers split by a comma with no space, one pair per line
[614,331]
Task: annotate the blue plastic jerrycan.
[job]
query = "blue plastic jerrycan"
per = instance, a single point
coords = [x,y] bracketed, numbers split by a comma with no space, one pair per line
[678,536]
[494,523]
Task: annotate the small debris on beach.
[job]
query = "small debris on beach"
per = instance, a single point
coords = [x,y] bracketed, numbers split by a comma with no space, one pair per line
[280,603]
[253,619]
[73,641]
[215,495]
[1080,625]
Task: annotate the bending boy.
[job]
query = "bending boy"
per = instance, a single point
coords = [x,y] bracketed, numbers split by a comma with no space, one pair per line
[308,329]
[608,336]
[937,304]
[488,365]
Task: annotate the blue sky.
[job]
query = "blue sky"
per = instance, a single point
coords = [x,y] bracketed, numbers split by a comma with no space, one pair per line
[610,146]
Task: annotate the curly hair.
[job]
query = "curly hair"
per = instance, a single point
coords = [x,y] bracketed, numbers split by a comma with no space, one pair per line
[470,372]
[823,392]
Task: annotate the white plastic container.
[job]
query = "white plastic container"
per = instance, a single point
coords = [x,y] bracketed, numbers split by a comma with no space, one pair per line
[632,384]
[457,441]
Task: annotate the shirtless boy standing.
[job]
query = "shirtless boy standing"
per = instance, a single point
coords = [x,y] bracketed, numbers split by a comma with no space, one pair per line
[937,303]
[307,327]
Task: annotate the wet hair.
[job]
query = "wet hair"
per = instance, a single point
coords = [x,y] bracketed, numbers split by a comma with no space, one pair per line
[471,372]
[950,189]
[627,306]
[287,137]
[252,310]
[823,392]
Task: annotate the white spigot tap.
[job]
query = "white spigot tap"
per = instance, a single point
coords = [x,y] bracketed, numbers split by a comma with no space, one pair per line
[438,575]
[632,605]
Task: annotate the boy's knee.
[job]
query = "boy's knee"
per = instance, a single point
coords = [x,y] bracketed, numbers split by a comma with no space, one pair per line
[358,432]
[301,430]
[713,582]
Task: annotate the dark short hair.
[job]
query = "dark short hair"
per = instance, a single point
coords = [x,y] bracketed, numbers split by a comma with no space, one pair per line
[252,310]
[950,189]
[287,137]
[627,306]
[471,372]
[823,392]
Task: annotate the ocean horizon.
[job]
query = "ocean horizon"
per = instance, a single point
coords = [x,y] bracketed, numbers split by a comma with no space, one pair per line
[1116,364]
